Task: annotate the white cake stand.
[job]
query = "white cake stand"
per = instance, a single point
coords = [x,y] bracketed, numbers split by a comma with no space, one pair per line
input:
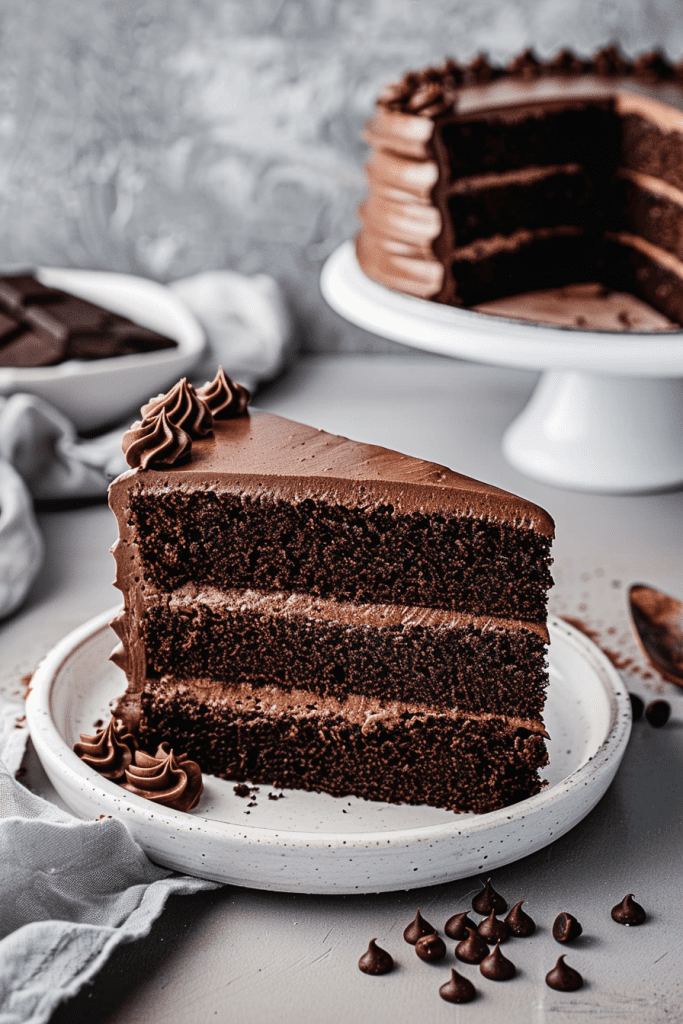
[607,413]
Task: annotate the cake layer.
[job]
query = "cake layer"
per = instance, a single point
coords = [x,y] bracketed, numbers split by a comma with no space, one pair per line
[484,208]
[544,258]
[528,135]
[376,750]
[646,209]
[431,657]
[229,537]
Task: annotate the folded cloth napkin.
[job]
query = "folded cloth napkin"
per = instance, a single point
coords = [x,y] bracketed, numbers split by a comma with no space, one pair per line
[71,891]
[249,334]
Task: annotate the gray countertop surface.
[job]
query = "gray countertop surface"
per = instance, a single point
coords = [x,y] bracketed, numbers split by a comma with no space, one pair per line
[242,954]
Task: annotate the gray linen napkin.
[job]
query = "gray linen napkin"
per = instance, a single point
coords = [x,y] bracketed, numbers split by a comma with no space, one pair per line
[71,891]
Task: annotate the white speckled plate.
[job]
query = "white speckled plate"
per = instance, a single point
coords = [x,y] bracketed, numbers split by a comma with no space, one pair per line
[310,842]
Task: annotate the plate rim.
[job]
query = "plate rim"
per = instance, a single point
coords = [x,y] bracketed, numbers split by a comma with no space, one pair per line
[49,744]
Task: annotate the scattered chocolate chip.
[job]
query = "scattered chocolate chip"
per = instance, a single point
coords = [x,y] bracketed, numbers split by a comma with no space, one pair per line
[417,928]
[492,929]
[376,960]
[563,978]
[456,926]
[519,922]
[458,989]
[637,707]
[566,928]
[488,899]
[431,948]
[473,949]
[241,790]
[657,713]
[628,912]
[496,966]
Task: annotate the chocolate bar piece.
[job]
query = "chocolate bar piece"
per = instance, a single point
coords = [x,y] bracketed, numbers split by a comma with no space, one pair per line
[40,326]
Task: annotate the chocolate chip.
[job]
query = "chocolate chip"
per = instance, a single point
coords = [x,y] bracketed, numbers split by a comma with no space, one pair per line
[473,949]
[657,713]
[241,790]
[637,707]
[376,960]
[563,978]
[628,912]
[492,929]
[458,989]
[456,926]
[488,899]
[430,948]
[417,928]
[566,928]
[519,923]
[496,966]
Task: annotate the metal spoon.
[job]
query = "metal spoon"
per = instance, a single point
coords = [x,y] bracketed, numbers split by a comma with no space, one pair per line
[658,625]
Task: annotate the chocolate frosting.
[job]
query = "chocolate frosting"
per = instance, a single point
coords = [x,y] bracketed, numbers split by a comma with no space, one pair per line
[183,409]
[563,978]
[519,922]
[456,926]
[110,751]
[417,928]
[488,899]
[492,929]
[566,928]
[224,397]
[430,948]
[434,90]
[174,782]
[496,966]
[473,949]
[458,989]
[376,960]
[154,442]
[628,912]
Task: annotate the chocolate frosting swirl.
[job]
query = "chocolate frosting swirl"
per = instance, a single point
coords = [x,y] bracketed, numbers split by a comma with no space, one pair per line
[224,397]
[154,441]
[183,409]
[434,91]
[174,782]
[110,751]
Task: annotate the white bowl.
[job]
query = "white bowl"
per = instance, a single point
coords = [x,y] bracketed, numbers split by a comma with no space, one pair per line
[103,392]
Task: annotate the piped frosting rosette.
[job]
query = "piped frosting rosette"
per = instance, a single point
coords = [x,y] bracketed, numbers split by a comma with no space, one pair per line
[169,423]
[166,779]
[110,751]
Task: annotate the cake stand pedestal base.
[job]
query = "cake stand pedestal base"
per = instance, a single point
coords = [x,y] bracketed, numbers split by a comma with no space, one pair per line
[598,433]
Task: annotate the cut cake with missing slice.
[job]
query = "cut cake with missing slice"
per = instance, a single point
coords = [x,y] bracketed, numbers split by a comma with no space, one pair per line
[306,611]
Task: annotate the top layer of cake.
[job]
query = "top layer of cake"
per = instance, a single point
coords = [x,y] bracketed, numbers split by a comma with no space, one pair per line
[485,182]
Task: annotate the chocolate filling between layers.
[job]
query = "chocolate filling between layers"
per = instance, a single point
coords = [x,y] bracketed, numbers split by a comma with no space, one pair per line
[371,556]
[417,655]
[403,754]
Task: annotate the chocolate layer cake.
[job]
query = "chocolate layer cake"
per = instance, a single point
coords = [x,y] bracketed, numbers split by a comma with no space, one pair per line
[488,182]
[306,611]
[41,326]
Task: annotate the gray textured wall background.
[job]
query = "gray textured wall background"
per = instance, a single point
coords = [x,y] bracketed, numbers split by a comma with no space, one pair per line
[165,137]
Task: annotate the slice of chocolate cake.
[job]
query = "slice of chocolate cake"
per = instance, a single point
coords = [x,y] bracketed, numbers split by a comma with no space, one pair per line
[302,610]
